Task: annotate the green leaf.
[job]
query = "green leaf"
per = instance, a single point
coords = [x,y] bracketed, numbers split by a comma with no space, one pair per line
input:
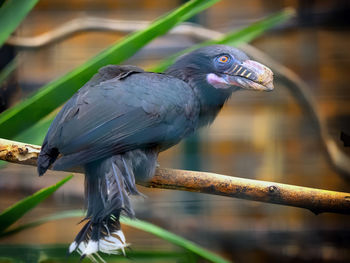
[58,253]
[43,220]
[234,38]
[256,29]
[138,224]
[8,69]
[16,211]
[12,12]
[172,238]
[25,114]
[36,133]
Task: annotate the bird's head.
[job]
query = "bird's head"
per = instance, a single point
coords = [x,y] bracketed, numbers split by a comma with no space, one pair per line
[214,72]
[224,68]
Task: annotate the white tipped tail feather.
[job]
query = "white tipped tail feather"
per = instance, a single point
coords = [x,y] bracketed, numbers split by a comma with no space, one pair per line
[114,243]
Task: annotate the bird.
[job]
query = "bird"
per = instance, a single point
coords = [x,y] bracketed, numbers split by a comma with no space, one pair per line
[115,126]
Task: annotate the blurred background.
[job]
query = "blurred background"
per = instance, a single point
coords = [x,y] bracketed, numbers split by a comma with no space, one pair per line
[265,136]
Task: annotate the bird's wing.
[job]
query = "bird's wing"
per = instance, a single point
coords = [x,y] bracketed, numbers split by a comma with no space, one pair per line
[70,108]
[111,72]
[117,115]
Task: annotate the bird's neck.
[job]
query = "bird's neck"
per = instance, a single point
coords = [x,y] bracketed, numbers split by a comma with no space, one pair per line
[211,100]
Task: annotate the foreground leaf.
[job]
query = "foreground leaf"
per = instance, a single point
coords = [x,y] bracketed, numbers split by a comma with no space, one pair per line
[234,38]
[8,69]
[43,220]
[58,253]
[15,212]
[25,114]
[175,239]
[12,12]
[139,224]
[36,133]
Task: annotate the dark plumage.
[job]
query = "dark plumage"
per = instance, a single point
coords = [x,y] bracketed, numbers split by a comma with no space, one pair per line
[117,123]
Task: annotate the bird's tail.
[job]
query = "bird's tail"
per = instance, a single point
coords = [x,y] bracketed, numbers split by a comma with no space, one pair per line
[108,184]
[94,237]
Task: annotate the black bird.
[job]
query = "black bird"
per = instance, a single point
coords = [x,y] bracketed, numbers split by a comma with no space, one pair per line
[117,123]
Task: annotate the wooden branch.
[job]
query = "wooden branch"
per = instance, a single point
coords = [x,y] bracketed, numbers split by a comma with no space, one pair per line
[316,200]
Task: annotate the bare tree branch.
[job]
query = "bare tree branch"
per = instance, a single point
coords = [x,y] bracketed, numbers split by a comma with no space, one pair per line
[316,200]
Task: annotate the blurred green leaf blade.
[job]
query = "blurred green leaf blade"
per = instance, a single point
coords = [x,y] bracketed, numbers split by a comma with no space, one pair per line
[36,133]
[173,238]
[43,220]
[8,69]
[235,37]
[256,29]
[138,224]
[16,211]
[12,12]
[25,114]
[58,253]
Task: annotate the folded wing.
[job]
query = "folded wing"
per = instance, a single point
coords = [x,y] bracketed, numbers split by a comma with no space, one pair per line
[109,117]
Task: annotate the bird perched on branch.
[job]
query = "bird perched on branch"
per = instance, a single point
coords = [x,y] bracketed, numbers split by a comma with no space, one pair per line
[117,123]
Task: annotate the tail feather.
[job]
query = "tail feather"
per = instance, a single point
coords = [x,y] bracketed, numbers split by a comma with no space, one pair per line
[130,178]
[106,237]
[108,184]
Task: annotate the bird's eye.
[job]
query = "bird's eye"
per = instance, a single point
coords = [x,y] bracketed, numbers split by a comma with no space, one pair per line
[224,59]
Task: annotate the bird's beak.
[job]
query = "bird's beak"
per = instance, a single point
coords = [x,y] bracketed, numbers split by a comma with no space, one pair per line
[250,75]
